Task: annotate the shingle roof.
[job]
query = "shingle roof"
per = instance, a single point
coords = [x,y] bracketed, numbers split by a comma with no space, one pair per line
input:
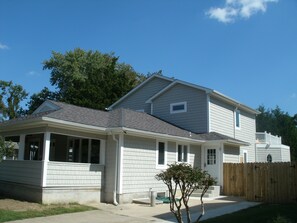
[117,118]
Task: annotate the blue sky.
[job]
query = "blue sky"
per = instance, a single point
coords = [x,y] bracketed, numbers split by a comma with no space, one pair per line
[246,49]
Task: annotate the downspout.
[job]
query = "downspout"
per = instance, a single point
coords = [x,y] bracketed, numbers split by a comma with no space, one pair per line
[115,172]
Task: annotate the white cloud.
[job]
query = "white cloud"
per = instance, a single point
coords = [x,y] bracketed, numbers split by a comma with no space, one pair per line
[32,73]
[234,9]
[3,47]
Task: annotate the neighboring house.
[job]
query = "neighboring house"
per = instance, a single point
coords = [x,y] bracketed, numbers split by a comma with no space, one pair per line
[73,154]
[269,148]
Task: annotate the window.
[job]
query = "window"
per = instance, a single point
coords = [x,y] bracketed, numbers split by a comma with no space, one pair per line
[95,151]
[182,153]
[237,119]
[161,155]
[269,158]
[211,157]
[178,107]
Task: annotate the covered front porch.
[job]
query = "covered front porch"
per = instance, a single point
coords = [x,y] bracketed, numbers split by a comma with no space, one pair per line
[55,166]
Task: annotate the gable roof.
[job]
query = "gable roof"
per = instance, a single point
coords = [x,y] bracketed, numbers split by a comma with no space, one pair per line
[138,87]
[174,82]
[123,120]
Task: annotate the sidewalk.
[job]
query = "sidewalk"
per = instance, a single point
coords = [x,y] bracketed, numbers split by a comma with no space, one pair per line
[133,213]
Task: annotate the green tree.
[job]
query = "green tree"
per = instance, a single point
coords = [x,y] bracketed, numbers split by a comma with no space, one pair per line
[6,148]
[11,96]
[88,78]
[186,179]
[279,123]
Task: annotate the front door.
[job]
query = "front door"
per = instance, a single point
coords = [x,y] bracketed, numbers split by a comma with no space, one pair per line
[211,163]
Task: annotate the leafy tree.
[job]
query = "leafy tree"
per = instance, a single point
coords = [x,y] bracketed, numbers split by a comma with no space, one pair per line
[279,123]
[186,179]
[11,96]
[88,78]
[6,149]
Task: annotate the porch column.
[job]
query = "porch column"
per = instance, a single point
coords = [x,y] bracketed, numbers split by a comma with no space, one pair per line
[22,147]
[45,157]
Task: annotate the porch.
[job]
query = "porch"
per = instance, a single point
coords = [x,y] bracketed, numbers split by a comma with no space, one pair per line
[54,168]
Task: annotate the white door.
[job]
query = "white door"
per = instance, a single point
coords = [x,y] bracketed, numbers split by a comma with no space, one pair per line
[211,162]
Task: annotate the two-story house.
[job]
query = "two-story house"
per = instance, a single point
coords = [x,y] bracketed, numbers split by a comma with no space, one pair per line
[199,110]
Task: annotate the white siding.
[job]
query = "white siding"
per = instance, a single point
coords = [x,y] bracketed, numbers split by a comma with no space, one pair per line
[221,118]
[21,171]
[278,153]
[195,156]
[74,174]
[139,166]
[136,101]
[222,121]
[195,119]
[231,154]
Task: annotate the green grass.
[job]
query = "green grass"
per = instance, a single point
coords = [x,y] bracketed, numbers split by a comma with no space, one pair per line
[8,215]
[265,213]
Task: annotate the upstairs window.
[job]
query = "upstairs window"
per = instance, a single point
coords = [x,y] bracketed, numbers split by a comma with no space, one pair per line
[178,107]
[182,153]
[237,119]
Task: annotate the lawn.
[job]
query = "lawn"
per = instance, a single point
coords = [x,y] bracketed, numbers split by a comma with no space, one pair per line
[265,213]
[44,210]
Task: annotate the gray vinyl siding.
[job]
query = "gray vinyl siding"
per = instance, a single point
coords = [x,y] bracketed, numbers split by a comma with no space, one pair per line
[21,171]
[74,174]
[139,165]
[195,119]
[231,154]
[136,100]
[221,117]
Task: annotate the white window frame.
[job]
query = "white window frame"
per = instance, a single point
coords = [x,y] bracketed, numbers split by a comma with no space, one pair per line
[184,103]
[183,152]
[161,166]
[239,119]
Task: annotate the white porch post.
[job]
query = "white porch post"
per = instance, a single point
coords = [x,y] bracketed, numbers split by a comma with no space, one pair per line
[22,147]
[45,156]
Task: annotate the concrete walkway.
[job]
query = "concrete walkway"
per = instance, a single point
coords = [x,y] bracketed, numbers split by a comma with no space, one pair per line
[133,213]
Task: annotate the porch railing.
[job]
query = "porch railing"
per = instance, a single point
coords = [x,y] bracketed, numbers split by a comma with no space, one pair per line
[264,137]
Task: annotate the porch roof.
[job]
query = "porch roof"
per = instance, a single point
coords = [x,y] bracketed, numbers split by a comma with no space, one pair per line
[122,119]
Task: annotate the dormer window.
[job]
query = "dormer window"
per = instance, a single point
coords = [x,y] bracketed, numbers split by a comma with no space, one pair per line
[178,107]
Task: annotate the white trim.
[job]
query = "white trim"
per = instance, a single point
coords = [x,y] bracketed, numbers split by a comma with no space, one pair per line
[45,158]
[120,166]
[185,109]
[161,166]
[208,110]
[22,147]
[102,151]
[183,152]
